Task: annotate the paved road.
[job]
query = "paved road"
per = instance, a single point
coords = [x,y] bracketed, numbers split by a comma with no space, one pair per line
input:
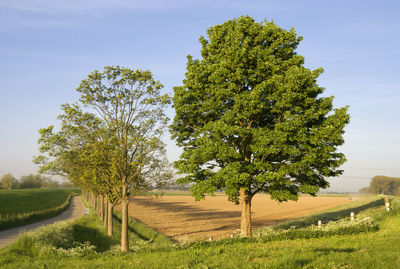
[75,210]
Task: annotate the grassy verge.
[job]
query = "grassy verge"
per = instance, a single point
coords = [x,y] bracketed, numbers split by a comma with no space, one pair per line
[21,207]
[366,250]
[333,214]
[140,235]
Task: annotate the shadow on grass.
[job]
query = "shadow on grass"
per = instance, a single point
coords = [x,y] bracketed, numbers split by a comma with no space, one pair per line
[328,250]
[130,228]
[84,234]
[302,262]
[141,231]
[329,216]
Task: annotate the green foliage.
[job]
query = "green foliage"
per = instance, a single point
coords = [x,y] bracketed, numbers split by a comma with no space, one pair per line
[110,141]
[8,182]
[383,185]
[249,115]
[31,181]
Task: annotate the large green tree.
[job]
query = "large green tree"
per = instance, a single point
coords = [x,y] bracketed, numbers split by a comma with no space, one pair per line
[115,145]
[250,118]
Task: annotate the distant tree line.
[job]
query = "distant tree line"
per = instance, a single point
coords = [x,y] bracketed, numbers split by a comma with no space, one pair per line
[31,181]
[383,185]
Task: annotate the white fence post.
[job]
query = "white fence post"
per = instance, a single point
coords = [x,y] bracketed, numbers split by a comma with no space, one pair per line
[387,204]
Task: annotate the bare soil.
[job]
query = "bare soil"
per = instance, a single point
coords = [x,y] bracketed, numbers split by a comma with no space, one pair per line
[184,220]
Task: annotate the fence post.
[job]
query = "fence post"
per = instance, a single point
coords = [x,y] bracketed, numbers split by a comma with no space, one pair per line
[387,204]
[352,216]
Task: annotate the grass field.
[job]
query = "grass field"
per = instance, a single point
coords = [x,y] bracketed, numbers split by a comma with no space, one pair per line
[20,207]
[26,200]
[378,249]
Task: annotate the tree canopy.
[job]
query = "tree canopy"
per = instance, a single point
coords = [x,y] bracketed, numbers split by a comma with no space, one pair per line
[8,181]
[250,117]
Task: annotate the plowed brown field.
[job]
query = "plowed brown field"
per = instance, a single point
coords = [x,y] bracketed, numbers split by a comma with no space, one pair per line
[183,219]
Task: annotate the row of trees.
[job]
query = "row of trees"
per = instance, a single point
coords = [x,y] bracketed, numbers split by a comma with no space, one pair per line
[383,185]
[249,117]
[109,143]
[8,181]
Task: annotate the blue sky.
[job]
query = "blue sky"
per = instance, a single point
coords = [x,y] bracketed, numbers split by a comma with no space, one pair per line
[48,47]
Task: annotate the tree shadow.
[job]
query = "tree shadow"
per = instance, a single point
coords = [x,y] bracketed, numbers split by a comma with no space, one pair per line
[299,263]
[217,220]
[331,249]
[190,211]
[84,234]
[130,228]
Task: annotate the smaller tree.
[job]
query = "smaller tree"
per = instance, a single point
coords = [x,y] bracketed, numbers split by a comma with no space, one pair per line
[8,182]
[31,181]
[49,183]
[110,141]
[365,190]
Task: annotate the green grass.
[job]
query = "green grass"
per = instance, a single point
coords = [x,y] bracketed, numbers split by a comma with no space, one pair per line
[378,249]
[26,200]
[333,214]
[139,233]
[20,207]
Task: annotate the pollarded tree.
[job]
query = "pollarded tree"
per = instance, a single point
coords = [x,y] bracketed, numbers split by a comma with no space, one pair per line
[250,118]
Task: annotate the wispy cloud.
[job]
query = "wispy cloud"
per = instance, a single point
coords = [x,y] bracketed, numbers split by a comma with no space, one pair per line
[94,7]
[55,7]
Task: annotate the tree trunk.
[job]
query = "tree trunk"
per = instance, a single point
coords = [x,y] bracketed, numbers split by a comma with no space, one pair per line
[105,211]
[245,224]
[96,208]
[124,225]
[101,209]
[110,219]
